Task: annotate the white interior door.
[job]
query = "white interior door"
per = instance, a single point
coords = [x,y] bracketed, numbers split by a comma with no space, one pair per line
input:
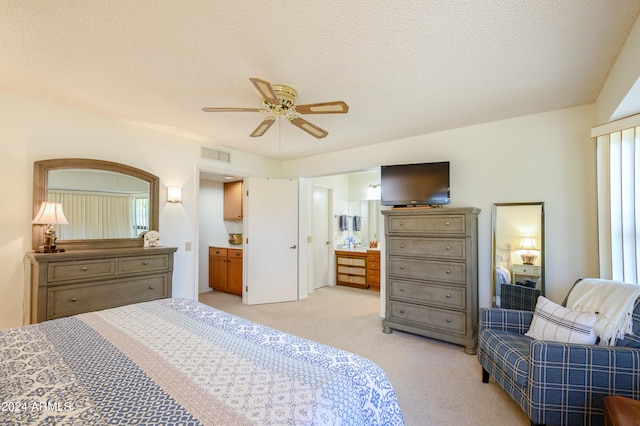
[321,236]
[271,241]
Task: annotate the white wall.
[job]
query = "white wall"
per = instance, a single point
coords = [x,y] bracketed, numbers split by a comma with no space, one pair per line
[34,131]
[544,157]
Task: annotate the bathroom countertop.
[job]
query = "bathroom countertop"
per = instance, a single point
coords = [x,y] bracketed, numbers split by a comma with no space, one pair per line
[226,245]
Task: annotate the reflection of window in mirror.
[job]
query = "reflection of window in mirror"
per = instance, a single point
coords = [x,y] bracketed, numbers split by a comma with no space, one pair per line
[518,250]
[99,204]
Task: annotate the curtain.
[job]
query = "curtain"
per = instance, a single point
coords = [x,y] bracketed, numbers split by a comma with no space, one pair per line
[95,215]
[618,185]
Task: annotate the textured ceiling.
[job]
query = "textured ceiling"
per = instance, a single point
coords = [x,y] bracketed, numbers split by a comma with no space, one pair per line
[405,68]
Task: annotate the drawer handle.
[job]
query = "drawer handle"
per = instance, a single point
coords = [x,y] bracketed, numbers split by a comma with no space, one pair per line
[401,288]
[402,311]
[84,268]
[401,267]
[447,272]
[401,223]
[73,299]
[145,263]
[447,248]
[401,245]
[448,296]
[447,223]
[151,287]
[448,319]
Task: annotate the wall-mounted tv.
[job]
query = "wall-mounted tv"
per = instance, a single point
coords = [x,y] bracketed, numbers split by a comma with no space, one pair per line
[415,184]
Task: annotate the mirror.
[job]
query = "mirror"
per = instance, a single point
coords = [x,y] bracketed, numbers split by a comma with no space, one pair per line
[518,254]
[132,195]
[368,214]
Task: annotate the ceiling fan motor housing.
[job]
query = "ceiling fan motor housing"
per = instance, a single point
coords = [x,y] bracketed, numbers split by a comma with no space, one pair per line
[286,94]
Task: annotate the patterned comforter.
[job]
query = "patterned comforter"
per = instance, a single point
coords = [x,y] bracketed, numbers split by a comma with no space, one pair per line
[176,361]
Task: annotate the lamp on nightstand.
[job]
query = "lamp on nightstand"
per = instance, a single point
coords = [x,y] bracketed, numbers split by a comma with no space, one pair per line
[528,244]
[49,214]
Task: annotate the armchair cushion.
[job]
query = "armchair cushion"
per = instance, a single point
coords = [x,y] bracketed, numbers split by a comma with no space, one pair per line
[558,324]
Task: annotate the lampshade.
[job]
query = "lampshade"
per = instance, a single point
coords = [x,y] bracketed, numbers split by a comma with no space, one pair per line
[528,243]
[174,194]
[50,214]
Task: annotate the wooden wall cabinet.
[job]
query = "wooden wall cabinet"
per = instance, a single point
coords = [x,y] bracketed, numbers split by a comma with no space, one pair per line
[432,273]
[78,281]
[233,200]
[225,270]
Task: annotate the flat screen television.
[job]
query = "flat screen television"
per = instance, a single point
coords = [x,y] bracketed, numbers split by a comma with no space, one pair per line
[415,184]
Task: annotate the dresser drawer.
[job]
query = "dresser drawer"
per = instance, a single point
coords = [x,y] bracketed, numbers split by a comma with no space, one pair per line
[432,224]
[71,300]
[79,270]
[216,251]
[426,316]
[433,294]
[235,253]
[353,279]
[352,261]
[130,265]
[351,270]
[373,277]
[432,270]
[445,248]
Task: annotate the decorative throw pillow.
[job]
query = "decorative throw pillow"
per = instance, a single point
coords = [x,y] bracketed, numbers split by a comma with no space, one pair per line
[559,324]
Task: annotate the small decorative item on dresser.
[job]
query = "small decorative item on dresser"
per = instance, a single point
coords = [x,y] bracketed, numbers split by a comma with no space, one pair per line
[152,239]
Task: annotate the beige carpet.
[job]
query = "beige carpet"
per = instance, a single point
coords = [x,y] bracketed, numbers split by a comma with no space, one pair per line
[436,382]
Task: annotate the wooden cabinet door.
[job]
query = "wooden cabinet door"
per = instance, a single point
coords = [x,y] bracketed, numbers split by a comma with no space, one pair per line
[218,269]
[234,275]
[233,200]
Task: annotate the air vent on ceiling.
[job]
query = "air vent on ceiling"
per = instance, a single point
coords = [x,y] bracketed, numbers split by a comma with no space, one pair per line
[215,154]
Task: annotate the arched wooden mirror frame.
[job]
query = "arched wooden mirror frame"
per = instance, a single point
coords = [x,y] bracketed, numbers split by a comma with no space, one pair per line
[40,187]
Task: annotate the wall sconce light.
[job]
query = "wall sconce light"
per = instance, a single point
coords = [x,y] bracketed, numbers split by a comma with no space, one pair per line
[373,191]
[174,194]
[49,214]
[528,244]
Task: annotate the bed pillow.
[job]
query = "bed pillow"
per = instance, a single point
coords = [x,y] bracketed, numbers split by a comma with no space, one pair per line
[559,324]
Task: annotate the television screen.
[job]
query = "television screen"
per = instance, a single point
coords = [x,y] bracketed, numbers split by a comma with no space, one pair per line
[415,184]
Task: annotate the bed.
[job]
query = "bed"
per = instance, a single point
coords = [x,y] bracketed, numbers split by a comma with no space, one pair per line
[503,269]
[176,361]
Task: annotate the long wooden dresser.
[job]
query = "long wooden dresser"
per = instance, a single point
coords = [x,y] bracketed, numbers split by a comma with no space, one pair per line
[78,281]
[432,273]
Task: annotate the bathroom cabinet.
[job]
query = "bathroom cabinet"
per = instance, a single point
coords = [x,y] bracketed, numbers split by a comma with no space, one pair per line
[233,201]
[225,270]
[358,268]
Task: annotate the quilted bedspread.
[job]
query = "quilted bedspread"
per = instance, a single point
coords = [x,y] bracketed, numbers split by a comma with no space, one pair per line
[178,362]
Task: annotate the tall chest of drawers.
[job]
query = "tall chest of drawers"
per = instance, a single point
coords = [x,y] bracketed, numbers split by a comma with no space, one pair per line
[78,281]
[432,273]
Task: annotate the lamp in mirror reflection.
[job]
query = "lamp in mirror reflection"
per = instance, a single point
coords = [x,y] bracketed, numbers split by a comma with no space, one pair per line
[528,244]
[49,214]
[174,194]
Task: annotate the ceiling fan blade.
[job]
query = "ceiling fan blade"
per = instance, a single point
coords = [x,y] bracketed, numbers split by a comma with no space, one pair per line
[336,107]
[263,127]
[312,129]
[267,92]
[215,109]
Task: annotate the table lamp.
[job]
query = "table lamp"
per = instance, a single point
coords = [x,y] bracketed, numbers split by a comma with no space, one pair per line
[49,214]
[528,244]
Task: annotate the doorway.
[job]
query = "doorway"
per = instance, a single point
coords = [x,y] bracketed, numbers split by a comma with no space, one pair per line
[321,235]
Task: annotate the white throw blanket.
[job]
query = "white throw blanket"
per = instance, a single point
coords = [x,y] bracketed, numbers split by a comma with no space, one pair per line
[613,301]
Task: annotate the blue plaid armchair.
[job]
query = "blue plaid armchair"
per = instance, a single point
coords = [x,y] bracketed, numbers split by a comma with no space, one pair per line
[556,383]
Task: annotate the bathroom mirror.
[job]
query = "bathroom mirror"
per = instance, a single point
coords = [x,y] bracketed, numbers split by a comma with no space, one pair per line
[135,191]
[518,249]
[368,212]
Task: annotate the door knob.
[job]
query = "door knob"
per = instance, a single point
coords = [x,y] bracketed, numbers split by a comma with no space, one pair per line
[293,247]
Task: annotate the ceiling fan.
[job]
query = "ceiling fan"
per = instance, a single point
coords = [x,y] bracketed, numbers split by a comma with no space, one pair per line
[280,102]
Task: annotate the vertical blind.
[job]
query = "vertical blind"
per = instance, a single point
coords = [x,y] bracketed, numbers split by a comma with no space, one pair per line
[618,180]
